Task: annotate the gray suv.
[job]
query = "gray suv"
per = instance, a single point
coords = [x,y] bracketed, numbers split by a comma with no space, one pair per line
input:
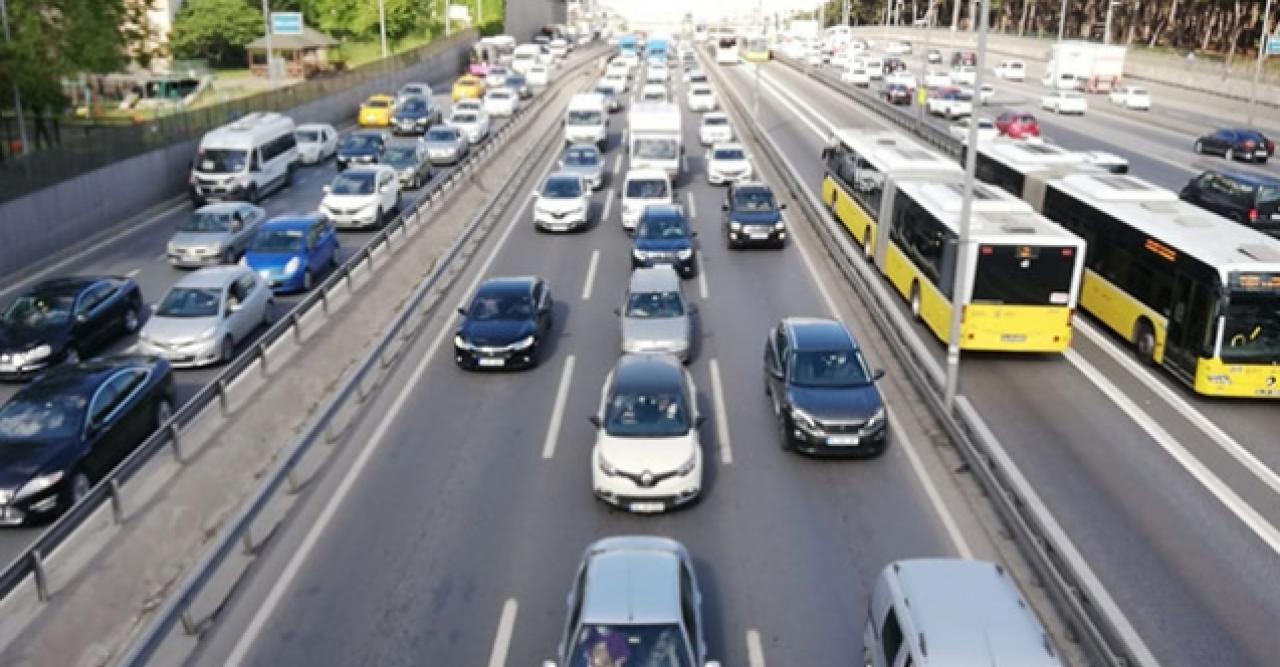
[655,315]
[635,601]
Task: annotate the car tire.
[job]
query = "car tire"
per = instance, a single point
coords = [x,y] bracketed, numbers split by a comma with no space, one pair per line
[227,350]
[132,318]
[333,259]
[253,194]
[784,433]
[1144,342]
[77,488]
[1199,147]
[308,281]
[379,219]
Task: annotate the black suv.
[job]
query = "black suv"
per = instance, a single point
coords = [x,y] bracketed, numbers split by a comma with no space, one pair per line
[753,217]
[822,391]
[1250,199]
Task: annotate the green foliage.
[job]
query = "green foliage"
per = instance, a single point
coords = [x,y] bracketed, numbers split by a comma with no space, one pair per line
[216,30]
[358,19]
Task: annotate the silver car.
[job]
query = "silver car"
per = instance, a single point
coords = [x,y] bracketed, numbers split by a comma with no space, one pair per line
[655,315]
[584,160]
[445,144]
[215,234]
[635,600]
[206,315]
[413,89]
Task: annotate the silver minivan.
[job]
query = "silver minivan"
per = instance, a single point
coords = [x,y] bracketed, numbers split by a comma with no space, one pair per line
[966,612]
[655,314]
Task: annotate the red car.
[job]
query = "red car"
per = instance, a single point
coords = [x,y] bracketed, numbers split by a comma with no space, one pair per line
[1018,124]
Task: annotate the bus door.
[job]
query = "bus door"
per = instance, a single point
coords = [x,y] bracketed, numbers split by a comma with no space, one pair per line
[1190,329]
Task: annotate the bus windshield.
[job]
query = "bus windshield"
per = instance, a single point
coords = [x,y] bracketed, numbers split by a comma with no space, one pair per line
[1252,331]
[1024,275]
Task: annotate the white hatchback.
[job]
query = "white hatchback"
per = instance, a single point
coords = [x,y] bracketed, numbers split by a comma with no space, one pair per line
[728,163]
[500,102]
[1064,101]
[1132,97]
[701,98]
[715,129]
[362,196]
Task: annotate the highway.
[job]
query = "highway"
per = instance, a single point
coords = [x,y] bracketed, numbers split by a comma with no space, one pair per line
[449,528]
[1173,499]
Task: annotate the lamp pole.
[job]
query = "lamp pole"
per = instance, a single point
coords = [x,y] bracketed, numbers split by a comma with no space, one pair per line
[1106,27]
[382,26]
[1257,66]
[17,96]
[266,15]
[1062,21]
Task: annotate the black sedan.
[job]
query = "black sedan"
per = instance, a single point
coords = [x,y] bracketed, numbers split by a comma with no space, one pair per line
[505,326]
[361,147]
[65,320]
[415,115]
[896,93]
[63,432]
[823,393]
[1237,144]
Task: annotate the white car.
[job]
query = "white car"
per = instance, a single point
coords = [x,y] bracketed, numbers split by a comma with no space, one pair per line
[496,77]
[474,125]
[362,196]
[654,92]
[964,75]
[657,74]
[1012,70]
[618,67]
[936,78]
[813,58]
[842,60]
[500,102]
[469,104]
[701,98]
[1132,97]
[986,129]
[641,188]
[715,129]
[538,76]
[695,73]
[1064,101]
[647,457]
[903,78]
[559,48]
[898,48]
[986,93]
[562,204]
[616,81]
[950,102]
[874,67]
[728,163]
[203,317]
[856,76]
[317,142]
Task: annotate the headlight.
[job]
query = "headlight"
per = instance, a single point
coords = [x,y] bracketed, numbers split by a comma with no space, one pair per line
[802,419]
[605,467]
[292,266]
[207,333]
[735,225]
[38,352]
[244,261]
[523,344]
[780,225]
[876,420]
[688,466]
[38,484]
[460,342]
[639,254]
[687,253]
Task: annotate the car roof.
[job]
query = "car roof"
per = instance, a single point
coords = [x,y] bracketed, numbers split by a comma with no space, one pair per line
[659,278]
[293,221]
[1247,177]
[507,285]
[629,584]
[646,174]
[65,285]
[811,333]
[728,145]
[368,133]
[82,378]
[211,276]
[647,372]
[582,147]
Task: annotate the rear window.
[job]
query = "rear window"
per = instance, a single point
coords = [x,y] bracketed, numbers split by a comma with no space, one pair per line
[1024,275]
[646,189]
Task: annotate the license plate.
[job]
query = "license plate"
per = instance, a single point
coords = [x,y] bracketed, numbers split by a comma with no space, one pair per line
[492,362]
[843,440]
[1275,216]
[1266,392]
[1260,154]
[1014,338]
[646,508]
[759,237]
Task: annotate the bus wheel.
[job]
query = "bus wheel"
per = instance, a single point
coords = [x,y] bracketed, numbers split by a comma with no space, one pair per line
[1144,342]
[915,301]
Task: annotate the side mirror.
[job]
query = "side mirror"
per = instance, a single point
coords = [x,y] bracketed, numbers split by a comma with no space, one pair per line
[234,307]
[385,189]
[693,235]
[619,194]
[776,372]
[462,311]
[82,318]
[693,309]
[595,421]
[877,374]
[782,207]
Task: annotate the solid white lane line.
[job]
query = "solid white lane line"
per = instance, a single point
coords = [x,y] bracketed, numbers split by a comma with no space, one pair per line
[722,415]
[608,206]
[1215,433]
[908,447]
[703,290]
[755,653]
[557,410]
[693,210]
[290,572]
[1221,490]
[591,274]
[617,165]
[502,640]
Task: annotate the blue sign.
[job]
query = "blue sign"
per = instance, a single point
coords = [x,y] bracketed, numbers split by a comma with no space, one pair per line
[286,23]
[1273,45]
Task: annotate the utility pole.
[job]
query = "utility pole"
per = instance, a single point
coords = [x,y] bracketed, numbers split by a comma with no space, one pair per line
[958,293]
[17,96]
[271,71]
[1257,67]
[1106,28]
[1062,21]
[755,87]
[382,26]
[955,14]
[844,16]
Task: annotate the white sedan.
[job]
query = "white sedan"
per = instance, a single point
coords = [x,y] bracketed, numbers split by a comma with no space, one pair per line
[474,125]
[1064,101]
[500,102]
[856,76]
[362,196]
[702,98]
[728,163]
[986,129]
[936,78]
[538,76]
[317,142]
[1132,97]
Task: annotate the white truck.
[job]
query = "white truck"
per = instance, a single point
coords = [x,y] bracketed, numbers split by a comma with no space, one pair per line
[654,137]
[1093,68]
[586,121]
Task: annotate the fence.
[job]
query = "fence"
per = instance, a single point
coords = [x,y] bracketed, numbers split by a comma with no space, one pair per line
[83,147]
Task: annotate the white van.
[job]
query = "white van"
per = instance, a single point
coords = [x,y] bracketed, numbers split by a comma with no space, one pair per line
[587,120]
[641,188]
[244,160]
[526,56]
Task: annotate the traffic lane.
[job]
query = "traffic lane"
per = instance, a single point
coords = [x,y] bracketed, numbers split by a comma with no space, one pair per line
[483,568]
[1109,518]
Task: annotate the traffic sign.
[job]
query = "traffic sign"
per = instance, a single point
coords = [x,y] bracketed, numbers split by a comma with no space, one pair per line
[1273,45]
[286,23]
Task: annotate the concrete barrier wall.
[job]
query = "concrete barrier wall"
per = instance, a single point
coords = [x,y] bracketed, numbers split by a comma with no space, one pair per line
[92,206]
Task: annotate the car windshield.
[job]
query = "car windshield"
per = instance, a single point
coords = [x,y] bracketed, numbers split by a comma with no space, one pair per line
[646,189]
[647,413]
[463,118]
[729,154]
[754,200]
[307,136]
[1268,194]
[221,161]
[701,91]
[582,157]
[278,240]
[37,311]
[206,221]
[829,368]
[656,149]
[655,96]
[357,183]
[650,305]
[712,121]
[360,142]
[497,307]
[44,418]
[584,117]
[400,155]
[1252,331]
[562,188]
[442,134]
[413,106]
[515,81]
[377,104]
[662,227]
[189,302]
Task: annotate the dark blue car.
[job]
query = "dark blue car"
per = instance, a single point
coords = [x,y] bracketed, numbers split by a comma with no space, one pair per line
[752,216]
[362,147]
[663,236]
[505,325]
[415,115]
[291,252]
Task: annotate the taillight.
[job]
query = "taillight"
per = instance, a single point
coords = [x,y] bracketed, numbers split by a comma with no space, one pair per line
[1253,215]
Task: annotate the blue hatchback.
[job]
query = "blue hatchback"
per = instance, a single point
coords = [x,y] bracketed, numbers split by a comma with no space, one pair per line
[290,252]
[664,237]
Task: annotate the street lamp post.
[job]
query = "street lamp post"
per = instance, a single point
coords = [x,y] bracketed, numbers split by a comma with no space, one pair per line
[382,26]
[1106,27]
[1062,21]
[266,15]
[17,95]
[1257,66]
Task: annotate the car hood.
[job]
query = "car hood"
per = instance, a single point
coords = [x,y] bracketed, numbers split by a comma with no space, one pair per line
[495,333]
[348,201]
[199,239]
[561,205]
[756,217]
[658,329]
[663,244]
[657,455]
[20,460]
[357,152]
[259,261]
[21,339]
[177,329]
[728,165]
[442,145]
[836,403]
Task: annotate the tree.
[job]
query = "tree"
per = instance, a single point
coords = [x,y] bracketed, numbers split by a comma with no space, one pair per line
[216,30]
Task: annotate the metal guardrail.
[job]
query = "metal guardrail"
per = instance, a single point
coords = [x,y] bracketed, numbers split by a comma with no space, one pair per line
[1093,619]
[216,394]
[411,320]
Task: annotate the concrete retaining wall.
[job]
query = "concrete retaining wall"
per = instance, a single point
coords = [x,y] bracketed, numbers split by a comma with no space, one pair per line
[93,205]
[525,16]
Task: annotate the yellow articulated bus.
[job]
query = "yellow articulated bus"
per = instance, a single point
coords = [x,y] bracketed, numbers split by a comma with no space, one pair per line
[756,50]
[1194,292]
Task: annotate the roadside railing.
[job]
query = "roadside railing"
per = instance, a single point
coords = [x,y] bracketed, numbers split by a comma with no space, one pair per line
[1092,617]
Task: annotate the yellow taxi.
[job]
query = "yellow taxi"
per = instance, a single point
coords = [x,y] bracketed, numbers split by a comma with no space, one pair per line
[468,86]
[376,111]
